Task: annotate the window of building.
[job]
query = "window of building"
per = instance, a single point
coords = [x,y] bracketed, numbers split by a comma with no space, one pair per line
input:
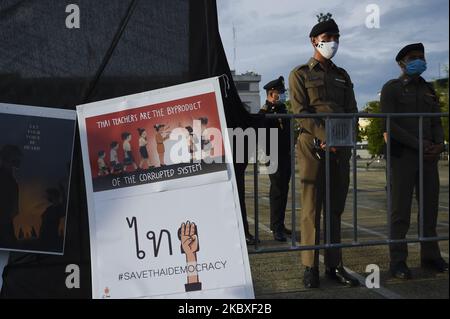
[242,86]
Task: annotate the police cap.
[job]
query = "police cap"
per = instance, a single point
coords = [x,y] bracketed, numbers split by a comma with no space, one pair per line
[328,26]
[277,84]
[410,47]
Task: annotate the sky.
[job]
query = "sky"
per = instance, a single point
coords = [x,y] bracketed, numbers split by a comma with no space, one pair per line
[272,37]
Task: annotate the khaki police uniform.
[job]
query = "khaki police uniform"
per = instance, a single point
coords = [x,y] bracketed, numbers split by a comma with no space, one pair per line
[314,89]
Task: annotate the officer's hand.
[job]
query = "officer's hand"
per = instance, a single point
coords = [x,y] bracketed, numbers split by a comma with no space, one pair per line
[427,157]
[324,146]
[435,149]
[427,144]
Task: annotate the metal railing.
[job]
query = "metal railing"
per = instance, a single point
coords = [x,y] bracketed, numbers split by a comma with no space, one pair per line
[294,246]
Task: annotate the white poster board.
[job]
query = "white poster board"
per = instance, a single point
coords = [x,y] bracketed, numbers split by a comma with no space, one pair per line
[164,213]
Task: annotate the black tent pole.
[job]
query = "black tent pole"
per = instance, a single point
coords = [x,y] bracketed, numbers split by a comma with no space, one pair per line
[110,51]
[208,48]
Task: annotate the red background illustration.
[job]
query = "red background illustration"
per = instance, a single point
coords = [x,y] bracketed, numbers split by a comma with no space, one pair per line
[99,139]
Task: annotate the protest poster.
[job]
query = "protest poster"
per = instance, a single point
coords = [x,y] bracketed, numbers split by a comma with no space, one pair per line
[36,146]
[164,214]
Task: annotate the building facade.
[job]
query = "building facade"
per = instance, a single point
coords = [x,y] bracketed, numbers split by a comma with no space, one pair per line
[247,85]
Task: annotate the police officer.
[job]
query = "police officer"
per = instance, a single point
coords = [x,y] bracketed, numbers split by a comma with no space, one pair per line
[319,86]
[410,93]
[279,180]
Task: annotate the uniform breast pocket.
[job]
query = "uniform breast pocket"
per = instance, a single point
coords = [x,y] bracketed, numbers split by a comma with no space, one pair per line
[316,90]
[339,90]
[407,103]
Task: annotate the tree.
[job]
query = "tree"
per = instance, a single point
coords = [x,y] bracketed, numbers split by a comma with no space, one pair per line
[441,87]
[374,131]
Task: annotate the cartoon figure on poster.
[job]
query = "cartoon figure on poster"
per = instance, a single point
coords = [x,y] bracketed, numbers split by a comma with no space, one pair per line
[143,142]
[102,168]
[192,141]
[161,136]
[116,167]
[206,145]
[127,151]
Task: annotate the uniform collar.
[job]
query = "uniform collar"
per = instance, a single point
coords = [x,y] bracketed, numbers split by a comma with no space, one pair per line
[313,62]
[269,106]
[268,103]
[406,79]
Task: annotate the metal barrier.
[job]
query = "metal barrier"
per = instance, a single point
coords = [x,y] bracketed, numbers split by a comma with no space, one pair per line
[355,243]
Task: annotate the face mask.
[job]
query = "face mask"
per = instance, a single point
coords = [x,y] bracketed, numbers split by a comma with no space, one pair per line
[416,67]
[282,98]
[327,49]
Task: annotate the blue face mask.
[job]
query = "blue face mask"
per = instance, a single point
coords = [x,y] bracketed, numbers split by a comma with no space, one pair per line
[416,67]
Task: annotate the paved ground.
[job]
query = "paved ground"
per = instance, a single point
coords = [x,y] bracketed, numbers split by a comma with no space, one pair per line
[279,275]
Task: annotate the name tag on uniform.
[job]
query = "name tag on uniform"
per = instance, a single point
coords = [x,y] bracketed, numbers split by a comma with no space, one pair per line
[341,80]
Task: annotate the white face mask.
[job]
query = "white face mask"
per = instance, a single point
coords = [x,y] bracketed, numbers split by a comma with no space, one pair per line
[328,49]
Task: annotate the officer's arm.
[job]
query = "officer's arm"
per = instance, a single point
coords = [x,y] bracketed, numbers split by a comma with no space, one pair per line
[350,100]
[350,103]
[436,125]
[388,100]
[297,93]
